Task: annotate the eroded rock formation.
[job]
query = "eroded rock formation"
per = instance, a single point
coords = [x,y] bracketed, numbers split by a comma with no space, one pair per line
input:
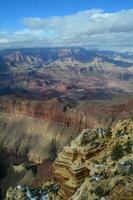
[97,163]
[71,167]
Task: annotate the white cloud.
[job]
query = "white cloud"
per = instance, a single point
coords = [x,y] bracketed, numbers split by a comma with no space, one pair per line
[91,28]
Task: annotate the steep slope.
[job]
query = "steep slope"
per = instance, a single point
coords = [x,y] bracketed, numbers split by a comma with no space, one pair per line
[31,138]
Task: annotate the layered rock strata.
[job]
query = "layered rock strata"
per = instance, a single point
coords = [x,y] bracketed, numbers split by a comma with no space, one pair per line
[97,163]
[70,167]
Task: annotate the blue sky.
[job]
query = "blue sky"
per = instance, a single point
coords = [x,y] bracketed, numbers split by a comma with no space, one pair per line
[11,11]
[27,23]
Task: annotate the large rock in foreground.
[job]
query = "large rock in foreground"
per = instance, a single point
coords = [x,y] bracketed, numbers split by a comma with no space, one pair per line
[97,164]
[71,168]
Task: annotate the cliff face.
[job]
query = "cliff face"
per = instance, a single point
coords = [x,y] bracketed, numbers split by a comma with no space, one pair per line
[97,163]
[33,138]
[28,126]
[77,116]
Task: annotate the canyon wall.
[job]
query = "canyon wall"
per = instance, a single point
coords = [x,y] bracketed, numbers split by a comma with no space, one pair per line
[33,138]
[98,115]
[40,129]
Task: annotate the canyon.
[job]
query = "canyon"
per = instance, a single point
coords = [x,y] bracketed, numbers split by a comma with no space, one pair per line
[49,95]
[58,92]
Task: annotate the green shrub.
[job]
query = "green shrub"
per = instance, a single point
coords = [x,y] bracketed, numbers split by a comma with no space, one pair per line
[117,152]
[128,147]
[109,132]
[101,191]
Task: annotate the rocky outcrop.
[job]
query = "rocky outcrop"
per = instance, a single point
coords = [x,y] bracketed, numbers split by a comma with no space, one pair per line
[97,163]
[47,191]
[71,167]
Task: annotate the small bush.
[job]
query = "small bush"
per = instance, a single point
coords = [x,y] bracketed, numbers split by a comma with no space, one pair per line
[117,152]
[101,191]
[109,132]
[128,147]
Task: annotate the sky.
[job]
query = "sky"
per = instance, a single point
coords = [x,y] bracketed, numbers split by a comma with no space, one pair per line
[93,24]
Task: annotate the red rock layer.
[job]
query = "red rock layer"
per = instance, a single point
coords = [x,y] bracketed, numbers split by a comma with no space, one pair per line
[92,116]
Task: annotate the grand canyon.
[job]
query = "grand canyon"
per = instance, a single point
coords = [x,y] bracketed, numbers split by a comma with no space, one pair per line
[48,96]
